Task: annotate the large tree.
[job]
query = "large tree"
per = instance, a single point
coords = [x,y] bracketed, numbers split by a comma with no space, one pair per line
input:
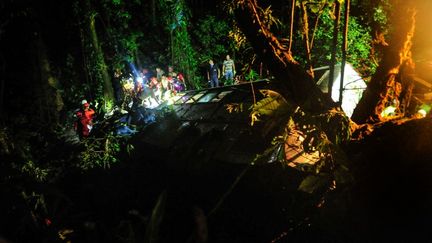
[391,84]
[387,83]
[381,161]
[296,84]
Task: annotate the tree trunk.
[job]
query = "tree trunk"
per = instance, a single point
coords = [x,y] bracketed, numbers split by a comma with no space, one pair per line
[49,98]
[293,82]
[344,49]
[305,25]
[334,47]
[384,89]
[406,79]
[293,2]
[108,90]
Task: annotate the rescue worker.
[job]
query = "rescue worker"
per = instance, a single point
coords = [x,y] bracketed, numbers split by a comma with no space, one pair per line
[84,122]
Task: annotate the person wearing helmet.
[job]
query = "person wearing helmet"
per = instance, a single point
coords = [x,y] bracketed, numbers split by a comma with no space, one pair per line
[84,122]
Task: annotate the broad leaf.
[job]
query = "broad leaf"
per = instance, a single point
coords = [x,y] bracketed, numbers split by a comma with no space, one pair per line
[313,182]
[272,103]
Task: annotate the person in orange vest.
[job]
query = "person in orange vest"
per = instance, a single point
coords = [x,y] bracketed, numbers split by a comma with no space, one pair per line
[84,123]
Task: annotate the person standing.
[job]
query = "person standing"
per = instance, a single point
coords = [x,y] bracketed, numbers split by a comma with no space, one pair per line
[159,73]
[171,72]
[228,69]
[213,74]
[84,123]
[117,83]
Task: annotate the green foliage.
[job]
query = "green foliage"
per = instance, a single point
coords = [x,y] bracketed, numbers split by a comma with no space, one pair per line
[379,15]
[211,37]
[101,152]
[25,153]
[123,39]
[183,55]
[273,104]
[245,55]
[108,104]
[359,44]
[374,13]
[252,75]
[325,133]
[359,48]
[36,172]
[93,56]
[322,133]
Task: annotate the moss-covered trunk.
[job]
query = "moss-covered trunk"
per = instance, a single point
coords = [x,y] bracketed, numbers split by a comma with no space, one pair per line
[108,90]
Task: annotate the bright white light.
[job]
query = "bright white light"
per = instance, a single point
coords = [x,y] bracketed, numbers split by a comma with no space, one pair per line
[167,95]
[171,100]
[388,111]
[422,113]
[353,87]
[139,79]
[150,103]
[128,86]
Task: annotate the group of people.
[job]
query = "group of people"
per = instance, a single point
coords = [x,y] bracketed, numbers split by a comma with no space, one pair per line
[144,89]
[153,88]
[150,89]
[228,71]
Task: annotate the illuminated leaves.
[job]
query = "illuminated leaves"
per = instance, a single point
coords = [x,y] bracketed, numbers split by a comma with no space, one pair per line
[272,104]
[234,107]
[269,18]
[64,233]
[310,142]
[238,37]
[35,171]
[103,151]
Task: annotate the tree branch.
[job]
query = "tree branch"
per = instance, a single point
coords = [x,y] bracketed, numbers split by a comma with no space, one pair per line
[295,84]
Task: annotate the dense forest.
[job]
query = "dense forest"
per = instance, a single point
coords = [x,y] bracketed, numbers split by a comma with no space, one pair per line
[94,147]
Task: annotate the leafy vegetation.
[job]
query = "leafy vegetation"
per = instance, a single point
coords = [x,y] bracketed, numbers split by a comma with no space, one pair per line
[359,37]
[319,134]
[183,54]
[102,152]
[211,35]
[39,151]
